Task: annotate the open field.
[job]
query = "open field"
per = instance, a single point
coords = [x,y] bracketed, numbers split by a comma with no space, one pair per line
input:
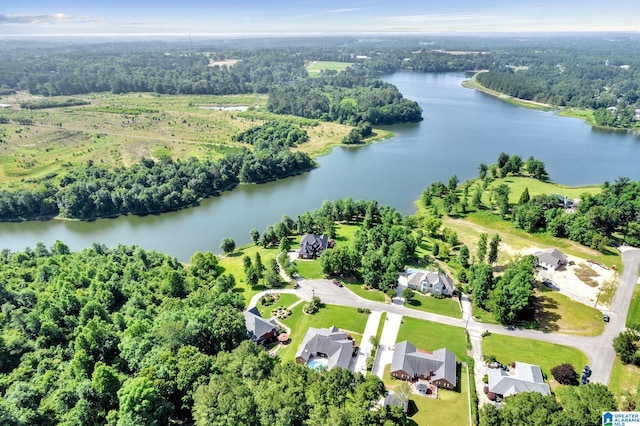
[507,349]
[517,185]
[429,336]
[344,318]
[314,67]
[118,130]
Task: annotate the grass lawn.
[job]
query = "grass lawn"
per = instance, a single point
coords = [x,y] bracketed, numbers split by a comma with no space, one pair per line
[507,349]
[345,318]
[624,378]
[309,269]
[355,286]
[517,184]
[634,310]
[234,265]
[429,336]
[285,300]
[558,313]
[449,307]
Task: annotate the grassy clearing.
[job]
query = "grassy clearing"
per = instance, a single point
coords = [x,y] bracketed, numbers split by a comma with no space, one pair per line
[429,336]
[233,264]
[309,269]
[633,318]
[556,312]
[315,67]
[344,318]
[517,185]
[117,130]
[449,307]
[547,355]
[624,379]
[583,114]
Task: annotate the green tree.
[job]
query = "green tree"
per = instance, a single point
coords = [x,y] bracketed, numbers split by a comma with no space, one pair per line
[493,249]
[408,295]
[585,404]
[255,235]
[477,198]
[626,346]
[482,171]
[524,198]
[481,282]
[432,225]
[228,245]
[141,403]
[453,183]
[482,247]
[463,256]
[285,244]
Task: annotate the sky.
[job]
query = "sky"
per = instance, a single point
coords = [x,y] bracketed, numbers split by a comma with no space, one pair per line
[317,16]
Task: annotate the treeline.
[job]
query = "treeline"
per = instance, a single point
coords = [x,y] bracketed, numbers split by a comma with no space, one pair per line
[151,186]
[131,337]
[350,97]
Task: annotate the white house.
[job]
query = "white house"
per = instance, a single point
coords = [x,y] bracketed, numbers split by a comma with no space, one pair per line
[430,282]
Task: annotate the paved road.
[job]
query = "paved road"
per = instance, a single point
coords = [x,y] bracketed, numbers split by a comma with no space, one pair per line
[598,349]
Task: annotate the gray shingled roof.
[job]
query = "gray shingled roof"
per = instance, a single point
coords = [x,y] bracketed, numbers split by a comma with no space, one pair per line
[431,277]
[441,362]
[329,341]
[256,325]
[311,243]
[527,378]
[551,257]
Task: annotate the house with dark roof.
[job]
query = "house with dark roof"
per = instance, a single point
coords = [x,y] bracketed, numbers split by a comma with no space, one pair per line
[259,330]
[437,367]
[312,245]
[436,282]
[329,343]
[551,259]
[526,378]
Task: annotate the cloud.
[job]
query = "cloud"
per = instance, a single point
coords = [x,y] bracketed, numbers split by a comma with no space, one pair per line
[55,18]
[350,9]
[415,19]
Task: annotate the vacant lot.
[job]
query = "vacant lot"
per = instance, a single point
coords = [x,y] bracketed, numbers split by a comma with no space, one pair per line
[118,130]
[429,336]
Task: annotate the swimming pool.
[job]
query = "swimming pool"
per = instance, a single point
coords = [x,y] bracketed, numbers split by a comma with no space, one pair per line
[317,363]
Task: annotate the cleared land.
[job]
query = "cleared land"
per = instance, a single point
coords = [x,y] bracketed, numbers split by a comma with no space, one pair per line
[624,381]
[555,312]
[449,307]
[118,130]
[315,67]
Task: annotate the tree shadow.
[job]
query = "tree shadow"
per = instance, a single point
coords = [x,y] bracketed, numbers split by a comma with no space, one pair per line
[546,319]
[412,410]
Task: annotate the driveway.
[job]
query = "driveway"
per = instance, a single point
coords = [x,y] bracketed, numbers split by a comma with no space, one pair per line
[370,330]
[387,343]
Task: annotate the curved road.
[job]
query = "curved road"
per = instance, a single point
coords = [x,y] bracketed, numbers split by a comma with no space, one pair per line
[599,349]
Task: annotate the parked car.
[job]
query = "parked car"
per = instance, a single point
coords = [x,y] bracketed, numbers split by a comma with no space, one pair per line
[586,371]
[337,282]
[605,317]
[584,380]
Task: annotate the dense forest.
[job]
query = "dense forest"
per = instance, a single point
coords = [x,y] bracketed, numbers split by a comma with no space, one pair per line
[130,337]
[151,186]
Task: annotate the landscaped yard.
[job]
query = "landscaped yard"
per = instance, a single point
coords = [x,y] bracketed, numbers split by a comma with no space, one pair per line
[372,294]
[429,336]
[449,306]
[345,318]
[624,378]
[284,300]
[451,407]
[507,349]
[558,313]
[309,269]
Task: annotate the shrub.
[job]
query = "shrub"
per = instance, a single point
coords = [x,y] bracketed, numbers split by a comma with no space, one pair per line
[565,374]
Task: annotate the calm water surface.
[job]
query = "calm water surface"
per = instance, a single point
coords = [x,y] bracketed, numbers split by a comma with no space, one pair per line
[461,128]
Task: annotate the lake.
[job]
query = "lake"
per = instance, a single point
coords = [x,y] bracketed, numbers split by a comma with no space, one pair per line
[461,128]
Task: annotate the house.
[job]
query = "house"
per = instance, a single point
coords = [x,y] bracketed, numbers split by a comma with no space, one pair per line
[437,367]
[551,259]
[260,330]
[329,343]
[526,378]
[312,245]
[430,282]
